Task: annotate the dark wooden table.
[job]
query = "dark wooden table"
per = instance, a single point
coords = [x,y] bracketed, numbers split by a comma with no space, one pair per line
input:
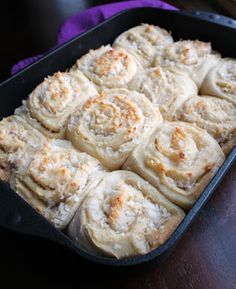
[204,259]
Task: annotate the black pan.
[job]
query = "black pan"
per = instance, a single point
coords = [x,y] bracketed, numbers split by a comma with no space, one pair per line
[15,213]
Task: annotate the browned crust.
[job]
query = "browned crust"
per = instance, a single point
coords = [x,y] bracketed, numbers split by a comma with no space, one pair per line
[4,175]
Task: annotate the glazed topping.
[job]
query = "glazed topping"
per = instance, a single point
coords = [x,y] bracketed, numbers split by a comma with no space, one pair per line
[176,144]
[114,61]
[211,109]
[59,172]
[107,66]
[15,133]
[145,38]
[227,77]
[186,52]
[139,45]
[110,118]
[124,208]
[155,35]
[55,93]
[180,154]
[54,100]
[216,115]
[160,86]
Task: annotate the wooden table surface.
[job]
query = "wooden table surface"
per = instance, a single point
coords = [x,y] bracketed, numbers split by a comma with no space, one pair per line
[205,258]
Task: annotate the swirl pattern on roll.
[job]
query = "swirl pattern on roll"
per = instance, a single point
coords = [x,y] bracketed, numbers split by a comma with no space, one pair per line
[221,81]
[54,179]
[215,115]
[144,42]
[195,58]
[110,125]
[108,67]
[52,101]
[166,88]
[179,159]
[15,134]
[124,216]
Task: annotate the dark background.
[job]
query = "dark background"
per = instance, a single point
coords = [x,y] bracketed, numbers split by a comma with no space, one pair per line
[29,27]
[204,259]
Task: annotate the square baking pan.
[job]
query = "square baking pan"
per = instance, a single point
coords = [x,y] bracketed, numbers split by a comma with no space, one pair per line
[15,213]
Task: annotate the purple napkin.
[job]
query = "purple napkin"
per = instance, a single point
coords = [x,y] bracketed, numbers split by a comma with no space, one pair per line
[86,19]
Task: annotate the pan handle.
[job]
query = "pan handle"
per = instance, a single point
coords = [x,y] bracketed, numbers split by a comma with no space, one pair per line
[210,17]
[18,216]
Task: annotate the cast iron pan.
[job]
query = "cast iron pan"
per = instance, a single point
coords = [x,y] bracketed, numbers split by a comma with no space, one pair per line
[15,213]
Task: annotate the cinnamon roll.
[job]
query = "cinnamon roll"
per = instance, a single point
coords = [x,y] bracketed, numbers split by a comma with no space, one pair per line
[108,67]
[52,102]
[195,58]
[215,115]
[166,88]
[179,159]
[110,125]
[124,216]
[221,81]
[15,133]
[54,179]
[144,42]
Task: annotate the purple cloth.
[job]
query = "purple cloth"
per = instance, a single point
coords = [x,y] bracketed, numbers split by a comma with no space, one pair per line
[86,19]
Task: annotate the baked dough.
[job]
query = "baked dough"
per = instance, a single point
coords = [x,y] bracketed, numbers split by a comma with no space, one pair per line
[52,101]
[144,42]
[15,134]
[111,106]
[195,58]
[110,125]
[124,216]
[215,115]
[55,179]
[166,88]
[108,67]
[221,81]
[179,159]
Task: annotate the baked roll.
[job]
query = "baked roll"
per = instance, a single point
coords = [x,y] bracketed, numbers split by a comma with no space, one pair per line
[52,102]
[110,125]
[54,179]
[195,58]
[221,80]
[124,216]
[166,88]
[215,115]
[144,42]
[108,67]
[179,159]
[15,134]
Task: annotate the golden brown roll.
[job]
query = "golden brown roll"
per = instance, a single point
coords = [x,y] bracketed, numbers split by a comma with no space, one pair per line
[54,179]
[179,159]
[108,67]
[110,125]
[215,115]
[52,102]
[144,42]
[15,134]
[221,80]
[166,88]
[124,216]
[195,58]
